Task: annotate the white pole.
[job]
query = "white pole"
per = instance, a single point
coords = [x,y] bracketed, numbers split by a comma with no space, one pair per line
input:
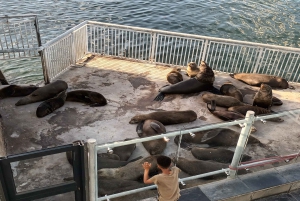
[91,145]
[245,132]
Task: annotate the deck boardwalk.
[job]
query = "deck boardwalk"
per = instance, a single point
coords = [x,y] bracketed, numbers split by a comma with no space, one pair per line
[130,88]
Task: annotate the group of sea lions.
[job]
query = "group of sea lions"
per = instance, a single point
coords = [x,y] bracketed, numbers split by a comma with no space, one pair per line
[53,96]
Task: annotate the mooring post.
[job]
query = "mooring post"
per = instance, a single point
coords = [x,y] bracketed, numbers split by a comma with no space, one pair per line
[241,144]
[92,169]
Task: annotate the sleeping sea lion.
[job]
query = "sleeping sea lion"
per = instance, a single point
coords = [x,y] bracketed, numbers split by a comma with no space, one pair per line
[50,105]
[167,117]
[17,90]
[203,81]
[222,101]
[216,154]
[174,76]
[230,90]
[192,69]
[263,98]
[44,93]
[124,152]
[255,79]
[91,98]
[152,127]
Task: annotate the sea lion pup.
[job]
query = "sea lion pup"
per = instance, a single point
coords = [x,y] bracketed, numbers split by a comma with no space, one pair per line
[254,79]
[131,171]
[216,154]
[44,93]
[124,152]
[222,101]
[213,137]
[263,98]
[192,69]
[174,76]
[50,105]
[203,81]
[258,111]
[167,117]
[91,98]
[17,90]
[226,115]
[152,127]
[230,90]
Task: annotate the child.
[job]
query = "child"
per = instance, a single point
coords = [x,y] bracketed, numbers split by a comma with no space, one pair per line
[167,181]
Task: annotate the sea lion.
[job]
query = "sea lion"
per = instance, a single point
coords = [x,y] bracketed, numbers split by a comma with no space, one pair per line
[258,111]
[167,117]
[91,98]
[192,69]
[219,154]
[17,90]
[174,76]
[263,98]
[203,81]
[222,101]
[131,171]
[230,90]
[50,105]
[276,101]
[124,152]
[152,127]
[255,79]
[213,137]
[226,115]
[44,93]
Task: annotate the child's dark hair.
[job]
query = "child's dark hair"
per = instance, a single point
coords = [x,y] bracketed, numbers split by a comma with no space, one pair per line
[164,161]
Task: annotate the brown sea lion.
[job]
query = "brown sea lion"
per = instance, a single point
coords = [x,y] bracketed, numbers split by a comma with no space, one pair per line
[254,79]
[91,98]
[213,137]
[202,82]
[263,98]
[192,69]
[219,154]
[16,90]
[276,101]
[44,93]
[258,111]
[230,90]
[152,127]
[174,76]
[50,105]
[124,152]
[167,117]
[222,101]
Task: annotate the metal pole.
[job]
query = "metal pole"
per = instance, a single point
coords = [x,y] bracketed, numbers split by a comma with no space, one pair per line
[152,55]
[261,51]
[91,145]
[245,132]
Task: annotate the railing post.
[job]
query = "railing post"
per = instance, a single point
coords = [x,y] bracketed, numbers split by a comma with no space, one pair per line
[261,51]
[92,169]
[44,66]
[204,50]
[153,47]
[241,144]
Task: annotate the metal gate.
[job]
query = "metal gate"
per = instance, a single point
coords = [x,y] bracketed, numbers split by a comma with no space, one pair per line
[77,184]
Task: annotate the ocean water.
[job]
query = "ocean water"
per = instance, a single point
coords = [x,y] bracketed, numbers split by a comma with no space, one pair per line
[269,21]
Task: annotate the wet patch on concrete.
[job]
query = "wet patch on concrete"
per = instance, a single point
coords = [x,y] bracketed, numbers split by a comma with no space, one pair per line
[137,81]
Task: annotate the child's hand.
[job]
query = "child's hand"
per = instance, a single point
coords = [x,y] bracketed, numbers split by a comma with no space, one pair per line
[146,165]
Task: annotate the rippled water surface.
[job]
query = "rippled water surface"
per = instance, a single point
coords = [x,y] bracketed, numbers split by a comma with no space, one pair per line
[269,21]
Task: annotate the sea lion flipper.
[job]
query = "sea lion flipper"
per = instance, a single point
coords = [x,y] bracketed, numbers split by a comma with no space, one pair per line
[159,97]
[139,128]
[291,87]
[156,127]
[209,135]
[212,105]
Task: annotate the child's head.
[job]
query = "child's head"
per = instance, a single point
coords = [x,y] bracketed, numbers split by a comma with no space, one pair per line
[164,161]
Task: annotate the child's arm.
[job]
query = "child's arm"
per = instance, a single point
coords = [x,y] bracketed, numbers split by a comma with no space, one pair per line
[146,167]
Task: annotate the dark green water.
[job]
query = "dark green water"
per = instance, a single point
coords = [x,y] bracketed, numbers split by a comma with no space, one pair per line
[269,21]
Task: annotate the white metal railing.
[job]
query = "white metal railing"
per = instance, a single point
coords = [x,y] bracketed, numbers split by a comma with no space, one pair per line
[231,171]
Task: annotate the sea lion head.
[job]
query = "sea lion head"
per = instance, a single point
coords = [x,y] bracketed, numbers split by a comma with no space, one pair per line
[136,119]
[192,65]
[282,83]
[206,74]
[266,88]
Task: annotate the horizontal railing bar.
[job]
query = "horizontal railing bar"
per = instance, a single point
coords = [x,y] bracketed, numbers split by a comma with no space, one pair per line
[21,50]
[171,134]
[196,36]
[14,16]
[279,114]
[154,186]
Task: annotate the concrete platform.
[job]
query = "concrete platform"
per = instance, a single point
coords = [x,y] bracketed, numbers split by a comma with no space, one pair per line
[130,88]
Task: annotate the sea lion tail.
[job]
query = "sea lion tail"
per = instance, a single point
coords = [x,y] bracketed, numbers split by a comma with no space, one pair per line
[159,97]
[212,104]
[231,75]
